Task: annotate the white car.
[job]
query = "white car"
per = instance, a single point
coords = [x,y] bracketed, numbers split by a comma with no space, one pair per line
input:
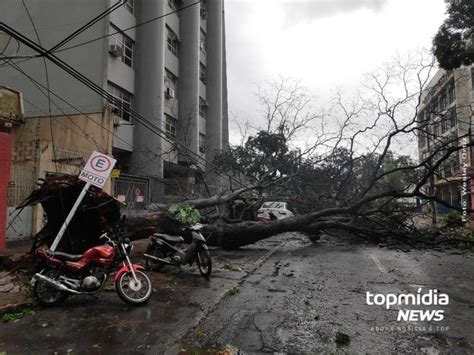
[278,209]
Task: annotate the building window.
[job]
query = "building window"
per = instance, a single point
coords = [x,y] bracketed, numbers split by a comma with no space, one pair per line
[451,93]
[130,5]
[202,73]
[452,117]
[170,126]
[172,41]
[442,103]
[121,40]
[422,140]
[171,84]
[202,107]
[202,143]
[435,129]
[202,42]
[444,125]
[123,103]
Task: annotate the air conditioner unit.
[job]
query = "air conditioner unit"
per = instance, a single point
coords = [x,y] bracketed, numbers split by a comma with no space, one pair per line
[170,94]
[116,50]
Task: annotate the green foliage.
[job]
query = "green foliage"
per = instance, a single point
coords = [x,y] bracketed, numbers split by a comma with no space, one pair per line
[234,290]
[453,44]
[200,333]
[11,317]
[186,214]
[317,182]
[453,218]
[342,339]
[265,156]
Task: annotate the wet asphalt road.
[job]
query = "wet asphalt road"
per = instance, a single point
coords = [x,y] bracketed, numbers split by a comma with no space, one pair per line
[281,295]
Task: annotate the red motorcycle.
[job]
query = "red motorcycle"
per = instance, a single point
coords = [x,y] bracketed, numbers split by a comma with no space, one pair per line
[86,274]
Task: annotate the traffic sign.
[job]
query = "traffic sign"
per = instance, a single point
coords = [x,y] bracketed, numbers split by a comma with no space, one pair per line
[96,172]
[97,169]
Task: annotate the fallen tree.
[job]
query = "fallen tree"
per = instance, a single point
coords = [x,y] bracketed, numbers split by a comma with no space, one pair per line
[99,212]
[348,177]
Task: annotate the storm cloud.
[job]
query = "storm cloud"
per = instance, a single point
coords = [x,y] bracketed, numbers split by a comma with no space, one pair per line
[309,10]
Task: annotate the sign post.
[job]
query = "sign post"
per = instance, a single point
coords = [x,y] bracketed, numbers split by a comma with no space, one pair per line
[95,172]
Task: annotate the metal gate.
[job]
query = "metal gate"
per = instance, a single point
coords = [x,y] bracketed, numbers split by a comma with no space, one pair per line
[132,190]
[21,184]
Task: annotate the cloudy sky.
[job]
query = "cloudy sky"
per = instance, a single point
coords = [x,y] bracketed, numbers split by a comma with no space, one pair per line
[327,44]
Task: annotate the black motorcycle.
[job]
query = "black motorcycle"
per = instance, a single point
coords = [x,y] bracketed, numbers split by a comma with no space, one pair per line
[166,249]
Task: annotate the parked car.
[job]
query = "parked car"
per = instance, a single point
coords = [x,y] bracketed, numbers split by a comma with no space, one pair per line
[273,209]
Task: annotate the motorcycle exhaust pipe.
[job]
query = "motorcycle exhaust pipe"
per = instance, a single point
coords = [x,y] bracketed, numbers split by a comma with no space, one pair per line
[57,285]
[157,259]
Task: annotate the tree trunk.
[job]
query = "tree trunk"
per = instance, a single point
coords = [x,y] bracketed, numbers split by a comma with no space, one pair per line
[141,224]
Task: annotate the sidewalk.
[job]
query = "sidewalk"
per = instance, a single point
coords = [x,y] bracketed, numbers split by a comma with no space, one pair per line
[15,290]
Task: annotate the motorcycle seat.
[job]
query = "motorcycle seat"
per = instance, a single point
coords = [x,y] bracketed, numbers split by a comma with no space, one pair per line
[169,238]
[64,256]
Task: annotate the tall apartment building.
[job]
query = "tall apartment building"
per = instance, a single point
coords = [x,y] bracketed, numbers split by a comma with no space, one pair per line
[446,113]
[172,71]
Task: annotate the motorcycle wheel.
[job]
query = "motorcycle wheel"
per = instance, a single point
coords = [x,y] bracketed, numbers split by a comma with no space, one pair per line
[131,292]
[154,265]
[47,295]
[204,262]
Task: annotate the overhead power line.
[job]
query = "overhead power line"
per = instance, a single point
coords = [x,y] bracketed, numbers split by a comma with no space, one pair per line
[55,50]
[87,25]
[130,28]
[194,157]
[69,38]
[49,109]
[42,87]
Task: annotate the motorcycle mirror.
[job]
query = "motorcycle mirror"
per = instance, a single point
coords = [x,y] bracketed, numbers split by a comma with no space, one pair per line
[103,236]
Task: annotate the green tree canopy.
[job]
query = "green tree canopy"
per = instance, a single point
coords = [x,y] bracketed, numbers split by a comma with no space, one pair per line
[453,45]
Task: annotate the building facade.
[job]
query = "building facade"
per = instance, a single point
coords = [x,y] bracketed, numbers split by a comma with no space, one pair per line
[446,114]
[171,71]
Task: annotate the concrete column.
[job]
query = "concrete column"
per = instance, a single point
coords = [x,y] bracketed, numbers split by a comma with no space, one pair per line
[225,108]
[149,93]
[214,76]
[188,81]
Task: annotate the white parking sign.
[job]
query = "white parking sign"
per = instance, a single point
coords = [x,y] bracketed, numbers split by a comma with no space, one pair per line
[97,169]
[96,172]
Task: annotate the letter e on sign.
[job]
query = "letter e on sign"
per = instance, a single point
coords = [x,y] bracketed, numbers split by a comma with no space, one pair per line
[97,169]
